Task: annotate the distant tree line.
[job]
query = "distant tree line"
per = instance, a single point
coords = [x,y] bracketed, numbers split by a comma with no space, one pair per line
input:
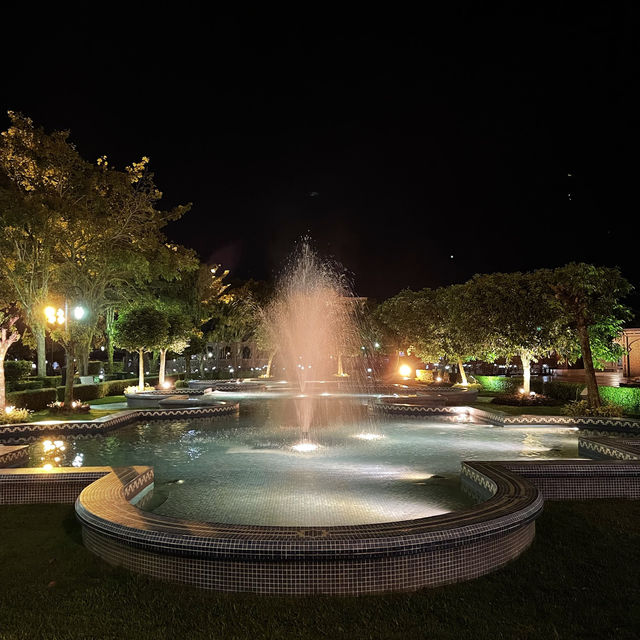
[573,311]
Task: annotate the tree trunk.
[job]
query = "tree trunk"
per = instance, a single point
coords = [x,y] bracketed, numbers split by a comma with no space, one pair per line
[271,357]
[463,373]
[109,322]
[141,369]
[3,397]
[161,368]
[340,372]
[526,373]
[41,348]
[187,366]
[83,358]
[71,372]
[589,371]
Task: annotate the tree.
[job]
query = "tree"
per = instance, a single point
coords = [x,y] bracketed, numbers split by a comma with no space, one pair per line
[512,315]
[115,246]
[142,328]
[235,317]
[40,177]
[8,336]
[71,336]
[433,324]
[178,335]
[589,301]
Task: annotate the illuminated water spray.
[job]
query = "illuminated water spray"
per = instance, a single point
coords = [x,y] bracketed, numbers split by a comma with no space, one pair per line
[313,325]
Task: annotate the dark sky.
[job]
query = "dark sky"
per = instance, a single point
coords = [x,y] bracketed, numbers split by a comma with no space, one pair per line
[394,140]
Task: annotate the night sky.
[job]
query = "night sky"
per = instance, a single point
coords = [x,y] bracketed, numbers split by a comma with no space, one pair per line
[395,142]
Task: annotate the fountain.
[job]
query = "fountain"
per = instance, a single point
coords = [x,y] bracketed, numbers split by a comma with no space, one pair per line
[312,323]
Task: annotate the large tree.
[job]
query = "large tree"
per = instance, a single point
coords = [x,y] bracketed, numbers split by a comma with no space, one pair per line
[41,181]
[589,300]
[142,328]
[512,315]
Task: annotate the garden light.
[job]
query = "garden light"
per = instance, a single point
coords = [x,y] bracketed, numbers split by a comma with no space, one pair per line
[405,371]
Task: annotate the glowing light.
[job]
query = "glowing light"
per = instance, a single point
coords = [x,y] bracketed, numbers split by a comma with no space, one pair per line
[377,345]
[532,393]
[521,390]
[166,385]
[304,447]
[369,436]
[78,313]
[405,371]
[10,409]
[47,467]
[438,379]
[49,311]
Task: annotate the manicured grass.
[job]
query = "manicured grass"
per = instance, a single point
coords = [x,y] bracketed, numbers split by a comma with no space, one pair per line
[578,580]
[108,400]
[516,411]
[91,415]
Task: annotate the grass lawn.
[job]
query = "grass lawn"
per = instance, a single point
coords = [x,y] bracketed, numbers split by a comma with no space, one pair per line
[516,411]
[578,580]
[108,400]
[91,415]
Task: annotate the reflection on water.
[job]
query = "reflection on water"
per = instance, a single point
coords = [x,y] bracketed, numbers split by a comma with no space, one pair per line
[245,470]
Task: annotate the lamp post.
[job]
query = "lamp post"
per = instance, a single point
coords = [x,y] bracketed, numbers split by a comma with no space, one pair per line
[60,317]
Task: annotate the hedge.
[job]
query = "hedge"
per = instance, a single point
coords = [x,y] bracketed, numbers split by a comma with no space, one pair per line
[17,369]
[24,385]
[499,384]
[87,392]
[36,399]
[94,368]
[49,382]
[626,397]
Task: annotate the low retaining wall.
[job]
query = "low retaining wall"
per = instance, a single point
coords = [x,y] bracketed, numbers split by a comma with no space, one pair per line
[36,486]
[27,432]
[304,560]
[497,418]
[13,456]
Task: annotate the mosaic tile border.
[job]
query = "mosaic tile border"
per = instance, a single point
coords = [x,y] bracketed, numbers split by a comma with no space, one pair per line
[609,448]
[357,559]
[226,385]
[13,456]
[26,432]
[497,418]
[417,553]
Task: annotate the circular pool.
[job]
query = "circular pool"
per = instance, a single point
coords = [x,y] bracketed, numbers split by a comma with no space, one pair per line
[352,468]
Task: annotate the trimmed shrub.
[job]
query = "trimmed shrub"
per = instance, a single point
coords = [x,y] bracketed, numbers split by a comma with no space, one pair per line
[499,384]
[15,416]
[116,367]
[565,391]
[581,408]
[62,409]
[36,399]
[182,384]
[17,369]
[50,382]
[83,392]
[628,398]
[524,400]
[24,385]
[94,367]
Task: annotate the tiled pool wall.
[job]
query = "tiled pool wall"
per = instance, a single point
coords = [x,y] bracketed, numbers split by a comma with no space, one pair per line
[303,560]
[26,432]
[354,560]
